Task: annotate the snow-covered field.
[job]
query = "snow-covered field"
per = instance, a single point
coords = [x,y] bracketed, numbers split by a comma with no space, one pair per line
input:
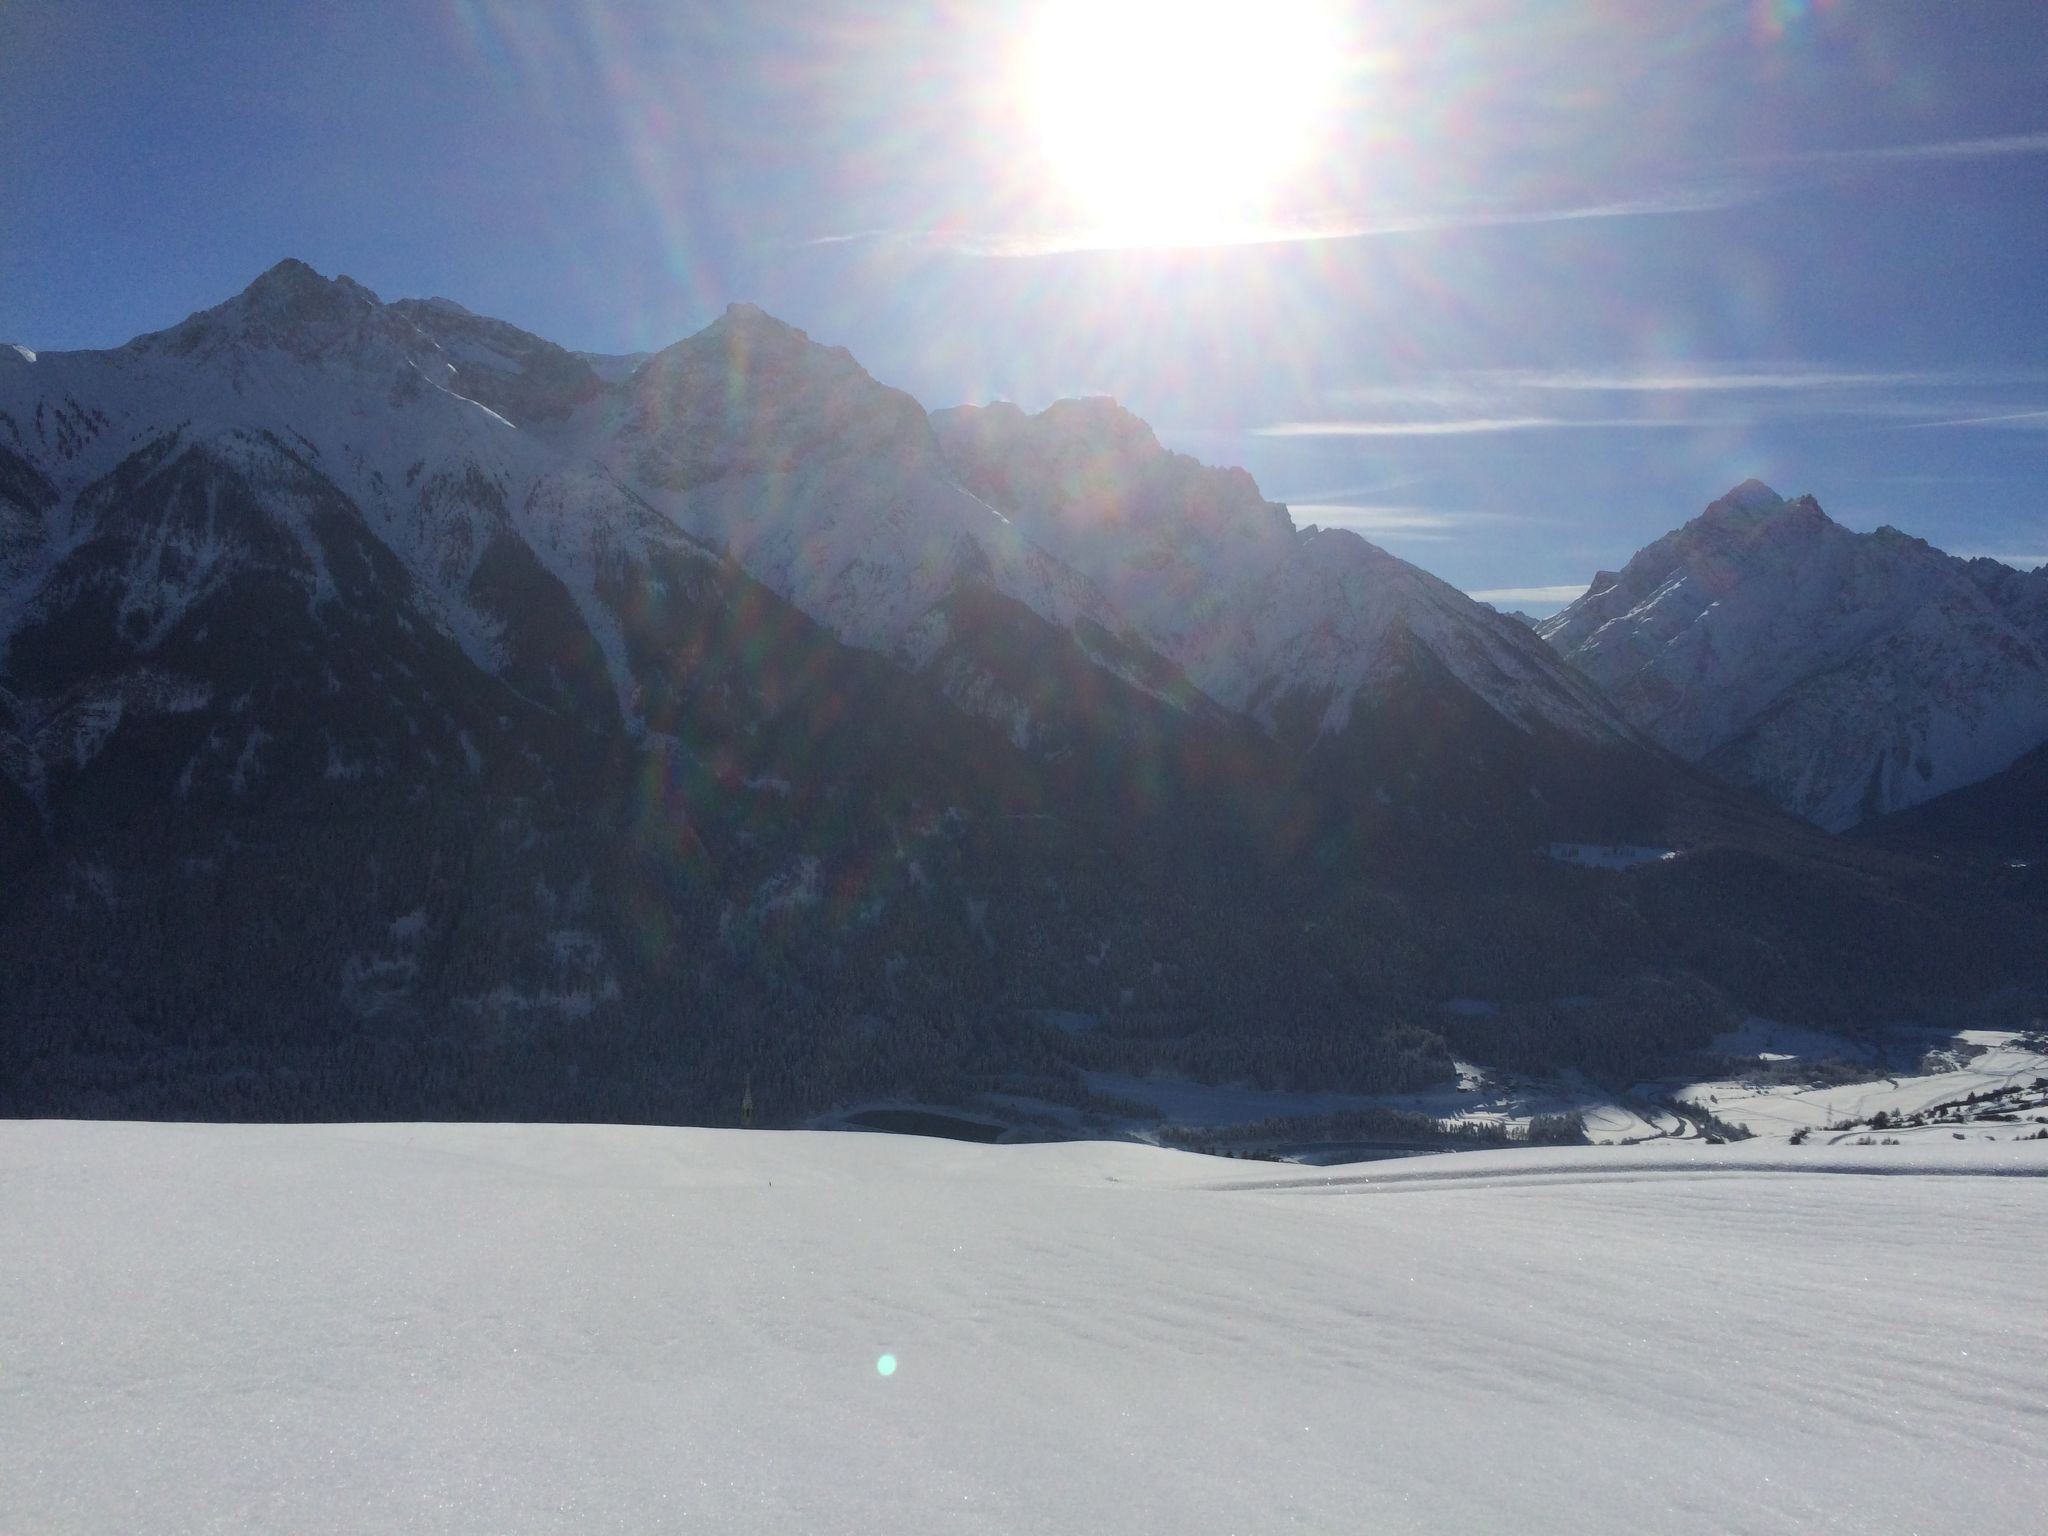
[1775,1080]
[1992,1061]
[502,1329]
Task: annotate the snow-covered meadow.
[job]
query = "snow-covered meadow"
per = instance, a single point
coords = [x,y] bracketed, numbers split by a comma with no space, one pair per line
[1983,1063]
[492,1328]
[1772,1080]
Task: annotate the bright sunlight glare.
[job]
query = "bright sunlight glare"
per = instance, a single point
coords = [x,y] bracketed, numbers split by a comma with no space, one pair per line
[1176,121]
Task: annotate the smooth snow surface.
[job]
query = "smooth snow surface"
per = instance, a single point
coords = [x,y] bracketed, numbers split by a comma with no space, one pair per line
[507,1329]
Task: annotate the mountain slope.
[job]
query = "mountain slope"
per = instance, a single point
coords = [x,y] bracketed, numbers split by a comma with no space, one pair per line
[398,718]
[1843,675]
[2004,816]
[823,483]
[347,721]
[1301,626]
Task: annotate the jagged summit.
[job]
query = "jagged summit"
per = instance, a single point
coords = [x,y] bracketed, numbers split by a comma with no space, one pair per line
[1751,495]
[293,293]
[751,352]
[744,324]
[1844,674]
[290,308]
[743,312]
[749,391]
[836,490]
[1104,468]
[1753,510]
[1102,419]
[1285,624]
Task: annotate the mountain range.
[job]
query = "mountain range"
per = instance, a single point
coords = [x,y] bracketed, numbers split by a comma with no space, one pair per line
[403,715]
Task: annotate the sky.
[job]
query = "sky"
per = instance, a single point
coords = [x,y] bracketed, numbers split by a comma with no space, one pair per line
[1509,286]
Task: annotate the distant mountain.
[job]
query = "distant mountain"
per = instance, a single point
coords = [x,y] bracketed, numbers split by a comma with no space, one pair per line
[402,716]
[1844,675]
[1390,687]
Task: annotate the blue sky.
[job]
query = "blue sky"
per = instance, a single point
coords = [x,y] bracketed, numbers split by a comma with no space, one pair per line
[1554,276]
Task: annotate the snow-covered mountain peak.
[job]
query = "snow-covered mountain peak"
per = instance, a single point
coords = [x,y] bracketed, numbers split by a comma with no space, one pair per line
[742,315]
[746,337]
[1264,618]
[1747,536]
[1088,472]
[1844,674]
[470,446]
[1753,516]
[290,308]
[1750,496]
[750,394]
[1098,420]
[825,483]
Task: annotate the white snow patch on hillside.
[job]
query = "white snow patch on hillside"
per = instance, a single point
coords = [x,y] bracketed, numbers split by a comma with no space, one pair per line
[1769,1040]
[538,1328]
[1608,855]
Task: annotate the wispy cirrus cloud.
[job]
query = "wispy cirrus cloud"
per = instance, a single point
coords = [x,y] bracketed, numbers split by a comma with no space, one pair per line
[1662,396]
[2024,420]
[1461,426]
[1392,523]
[1706,188]
[1738,378]
[1995,147]
[1021,243]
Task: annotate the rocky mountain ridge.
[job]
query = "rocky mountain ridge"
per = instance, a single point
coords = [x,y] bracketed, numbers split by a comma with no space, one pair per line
[401,716]
[1844,675]
[1263,617]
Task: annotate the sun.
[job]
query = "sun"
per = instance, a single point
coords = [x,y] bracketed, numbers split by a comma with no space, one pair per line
[1180,121]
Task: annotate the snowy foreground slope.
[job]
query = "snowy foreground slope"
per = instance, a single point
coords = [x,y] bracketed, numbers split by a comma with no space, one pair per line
[485,1328]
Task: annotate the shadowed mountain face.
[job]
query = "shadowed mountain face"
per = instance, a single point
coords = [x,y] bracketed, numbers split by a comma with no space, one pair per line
[398,718]
[1260,616]
[1843,675]
[2004,817]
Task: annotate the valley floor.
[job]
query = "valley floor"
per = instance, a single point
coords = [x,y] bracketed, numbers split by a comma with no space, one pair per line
[1768,1080]
[492,1328]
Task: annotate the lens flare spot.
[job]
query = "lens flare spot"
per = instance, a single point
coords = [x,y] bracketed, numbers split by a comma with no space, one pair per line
[886,1366]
